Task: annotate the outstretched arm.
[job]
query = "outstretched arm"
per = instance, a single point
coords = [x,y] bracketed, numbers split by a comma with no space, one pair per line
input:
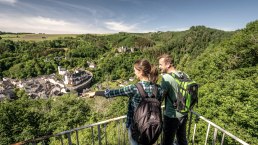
[125,91]
[97,93]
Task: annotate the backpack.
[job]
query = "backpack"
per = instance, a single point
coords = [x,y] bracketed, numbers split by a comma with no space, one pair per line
[147,119]
[187,95]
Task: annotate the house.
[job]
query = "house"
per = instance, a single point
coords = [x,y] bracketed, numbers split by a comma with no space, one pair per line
[20,84]
[10,94]
[76,78]
[131,79]
[55,82]
[122,49]
[2,97]
[7,84]
[132,49]
[56,91]
[61,71]
[92,65]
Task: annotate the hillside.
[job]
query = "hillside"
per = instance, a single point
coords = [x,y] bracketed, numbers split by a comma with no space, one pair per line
[225,64]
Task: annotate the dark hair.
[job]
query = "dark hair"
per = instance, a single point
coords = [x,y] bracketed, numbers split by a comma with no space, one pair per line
[148,70]
[167,59]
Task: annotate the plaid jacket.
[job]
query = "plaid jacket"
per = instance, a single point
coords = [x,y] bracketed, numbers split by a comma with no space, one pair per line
[135,98]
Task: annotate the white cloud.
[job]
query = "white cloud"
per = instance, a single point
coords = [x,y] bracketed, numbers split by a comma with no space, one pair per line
[47,21]
[226,28]
[119,26]
[15,23]
[8,1]
[180,29]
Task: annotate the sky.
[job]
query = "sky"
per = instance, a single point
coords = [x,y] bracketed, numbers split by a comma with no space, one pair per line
[112,16]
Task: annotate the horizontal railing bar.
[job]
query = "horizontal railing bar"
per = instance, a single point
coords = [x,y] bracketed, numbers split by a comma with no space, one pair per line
[90,125]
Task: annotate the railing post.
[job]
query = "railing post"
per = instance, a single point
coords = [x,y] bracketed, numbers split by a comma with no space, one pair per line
[69,138]
[105,129]
[77,137]
[222,140]
[215,136]
[195,126]
[124,130]
[99,134]
[92,135]
[207,134]
[118,134]
[61,138]
[194,133]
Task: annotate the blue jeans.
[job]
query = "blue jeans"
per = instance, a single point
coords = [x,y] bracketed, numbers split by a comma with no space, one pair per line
[131,140]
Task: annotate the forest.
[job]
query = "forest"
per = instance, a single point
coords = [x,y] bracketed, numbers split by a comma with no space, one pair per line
[225,64]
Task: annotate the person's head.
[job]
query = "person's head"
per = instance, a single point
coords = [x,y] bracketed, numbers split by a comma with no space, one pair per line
[165,63]
[143,69]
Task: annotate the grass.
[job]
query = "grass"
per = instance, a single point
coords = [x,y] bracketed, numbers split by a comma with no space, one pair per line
[35,37]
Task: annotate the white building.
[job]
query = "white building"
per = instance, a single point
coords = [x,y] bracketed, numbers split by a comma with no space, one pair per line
[61,71]
[131,79]
[56,82]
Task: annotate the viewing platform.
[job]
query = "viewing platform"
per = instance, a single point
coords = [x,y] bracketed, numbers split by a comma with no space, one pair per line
[98,134]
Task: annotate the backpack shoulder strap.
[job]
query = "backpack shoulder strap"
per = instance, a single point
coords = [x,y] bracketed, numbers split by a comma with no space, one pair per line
[173,75]
[155,91]
[180,75]
[176,76]
[141,90]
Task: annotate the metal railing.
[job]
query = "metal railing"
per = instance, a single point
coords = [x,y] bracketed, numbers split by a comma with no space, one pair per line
[72,136]
[216,129]
[65,137]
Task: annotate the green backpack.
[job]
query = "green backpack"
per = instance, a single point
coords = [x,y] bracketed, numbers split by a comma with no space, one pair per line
[187,95]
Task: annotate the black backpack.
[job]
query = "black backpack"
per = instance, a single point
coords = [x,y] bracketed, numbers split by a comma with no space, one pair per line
[147,119]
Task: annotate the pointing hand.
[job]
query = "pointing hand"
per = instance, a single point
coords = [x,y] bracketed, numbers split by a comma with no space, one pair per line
[90,94]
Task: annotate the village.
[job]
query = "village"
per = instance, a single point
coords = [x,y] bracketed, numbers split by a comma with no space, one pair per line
[48,85]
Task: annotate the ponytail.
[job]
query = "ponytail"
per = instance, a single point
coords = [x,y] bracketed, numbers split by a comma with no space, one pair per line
[154,74]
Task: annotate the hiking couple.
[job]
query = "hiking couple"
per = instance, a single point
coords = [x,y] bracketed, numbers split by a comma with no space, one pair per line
[174,123]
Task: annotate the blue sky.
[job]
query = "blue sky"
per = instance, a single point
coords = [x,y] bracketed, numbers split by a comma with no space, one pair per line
[111,16]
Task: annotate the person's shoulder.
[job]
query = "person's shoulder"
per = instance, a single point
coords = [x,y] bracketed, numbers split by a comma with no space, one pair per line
[181,74]
[166,76]
[131,86]
[144,83]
